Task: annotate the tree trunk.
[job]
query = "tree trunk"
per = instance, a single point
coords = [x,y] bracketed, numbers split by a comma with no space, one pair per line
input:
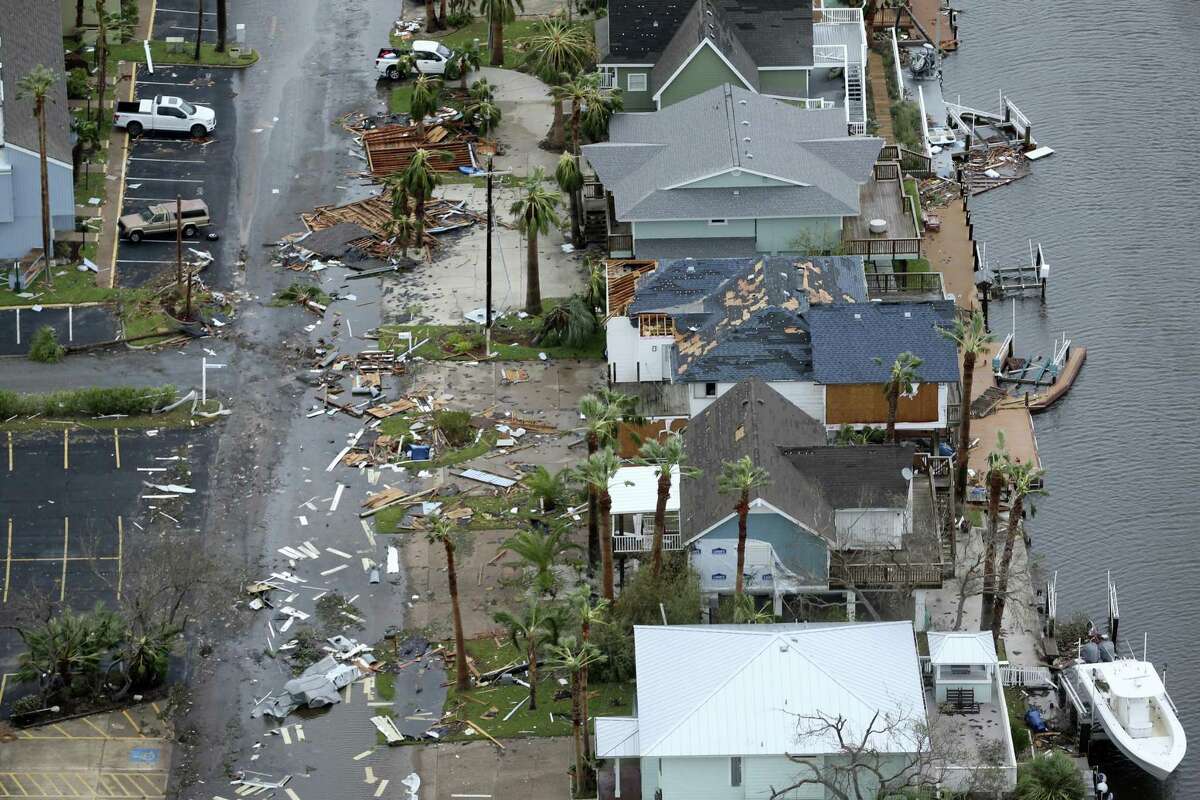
[199,26]
[101,61]
[576,230]
[893,401]
[576,732]
[533,289]
[497,42]
[583,684]
[47,244]
[576,110]
[431,20]
[222,21]
[78,15]
[419,230]
[532,675]
[743,512]
[1014,522]
[555,138]
[462,679]
[442,15]
[964,428]
[660,521]
[995,486]
[593,445]
[606,545]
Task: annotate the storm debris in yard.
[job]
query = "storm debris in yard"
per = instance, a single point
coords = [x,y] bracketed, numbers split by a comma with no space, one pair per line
[374,215]
[390,149]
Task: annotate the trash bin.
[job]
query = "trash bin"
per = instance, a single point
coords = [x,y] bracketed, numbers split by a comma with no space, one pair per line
[418,452]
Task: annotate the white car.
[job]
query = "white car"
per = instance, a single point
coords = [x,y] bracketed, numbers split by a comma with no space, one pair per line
[164,113]
[428,58]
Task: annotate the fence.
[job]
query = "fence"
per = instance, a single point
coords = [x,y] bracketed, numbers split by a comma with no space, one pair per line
[1026,676]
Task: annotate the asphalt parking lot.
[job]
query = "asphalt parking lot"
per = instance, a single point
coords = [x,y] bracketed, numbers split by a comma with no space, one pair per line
[73,505]
[77,326]
[178,18]
[163,166]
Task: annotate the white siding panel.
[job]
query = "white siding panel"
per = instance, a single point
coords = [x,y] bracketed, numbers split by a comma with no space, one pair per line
[621,338]
[698,779]
[649,769]
[654,358]
[764,774]
[807,396]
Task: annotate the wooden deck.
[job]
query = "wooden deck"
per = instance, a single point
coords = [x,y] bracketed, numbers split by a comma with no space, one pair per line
[1016,422]
[882,199]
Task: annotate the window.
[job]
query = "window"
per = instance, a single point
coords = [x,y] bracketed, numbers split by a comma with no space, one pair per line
[718,222]
[710,390]
[635,82]
[444,51]
[735,771]
[187,108]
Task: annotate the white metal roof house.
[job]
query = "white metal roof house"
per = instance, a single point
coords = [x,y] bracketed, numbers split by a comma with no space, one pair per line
[31,34]
[634,494]
[722,708]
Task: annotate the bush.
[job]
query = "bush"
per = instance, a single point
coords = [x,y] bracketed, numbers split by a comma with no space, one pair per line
[1020,734]
[87,402]
[906,124]
[45,347]
[455,426]
[459,19]
[78,85]
[27,704]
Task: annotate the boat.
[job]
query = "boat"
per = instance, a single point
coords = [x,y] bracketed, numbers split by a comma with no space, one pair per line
[1130,703]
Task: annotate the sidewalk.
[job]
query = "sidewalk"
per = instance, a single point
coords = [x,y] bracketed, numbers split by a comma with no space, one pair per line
[879,95]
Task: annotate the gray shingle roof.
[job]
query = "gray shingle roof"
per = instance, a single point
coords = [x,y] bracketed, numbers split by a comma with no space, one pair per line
[705,21]
[859,344]
[867,476]
[31,34]
[767,421]
[807,149]
[712,247]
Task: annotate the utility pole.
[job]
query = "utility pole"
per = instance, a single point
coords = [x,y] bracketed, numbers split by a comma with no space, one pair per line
[199,26]
[178,244]
[487,301]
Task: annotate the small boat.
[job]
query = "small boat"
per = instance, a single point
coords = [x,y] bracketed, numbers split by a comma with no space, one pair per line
[1131,704]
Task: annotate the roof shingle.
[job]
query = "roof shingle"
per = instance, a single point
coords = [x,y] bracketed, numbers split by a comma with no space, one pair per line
[31,34]
[860,344]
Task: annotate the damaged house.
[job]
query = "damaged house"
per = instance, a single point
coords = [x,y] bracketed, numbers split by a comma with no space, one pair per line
[804,325]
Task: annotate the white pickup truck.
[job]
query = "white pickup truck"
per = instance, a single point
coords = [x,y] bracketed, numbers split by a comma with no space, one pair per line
[425,57]
[164,114]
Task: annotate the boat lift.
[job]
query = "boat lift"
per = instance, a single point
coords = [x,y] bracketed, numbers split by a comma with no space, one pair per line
[999,282]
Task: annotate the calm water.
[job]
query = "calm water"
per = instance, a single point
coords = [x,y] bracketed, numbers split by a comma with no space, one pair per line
[1113,89]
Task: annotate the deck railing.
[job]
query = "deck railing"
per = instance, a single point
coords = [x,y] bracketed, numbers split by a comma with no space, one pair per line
[882,283]
[894,248]
[850,15]
[620,245]
[1026,676]
[643,543]
[927,575]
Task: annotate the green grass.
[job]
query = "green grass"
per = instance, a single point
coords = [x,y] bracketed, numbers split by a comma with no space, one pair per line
[1016,706]
[606,699]
[515,35]
[976,517]
[91,184]
[385,685]
[491,513]
[71,287]
[141,316]
[913,190]
[179,418]
[400,99]
[906,124]
[133,51]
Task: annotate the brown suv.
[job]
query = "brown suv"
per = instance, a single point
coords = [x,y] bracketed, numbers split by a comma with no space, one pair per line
[160,218]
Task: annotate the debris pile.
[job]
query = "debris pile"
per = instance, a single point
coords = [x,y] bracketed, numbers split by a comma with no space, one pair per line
[369,232]
[390,149]
[990,168]
[319,685]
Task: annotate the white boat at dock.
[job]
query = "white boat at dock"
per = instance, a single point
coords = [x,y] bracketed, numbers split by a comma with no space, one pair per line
[1130,703]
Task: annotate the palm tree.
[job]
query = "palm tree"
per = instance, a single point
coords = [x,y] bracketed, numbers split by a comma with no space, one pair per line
[600,428]
[542,550]
[485,114]
[588,613]
[575,659]
[432,23]
[481,90]
[549,489]
[556,51]
[997,462]
[467,59]
[426,98]
[668,456]
[597,472]
[599,111]
[37,85]
[570,181]
[536,626]
[901,381]
[1023,480]
[498,13]
[222,16]
[78,15]
[147,655]
[739,478]
[441,531]
[972,339]
[399,224]
[583,91]
[101,58]
[65,647]
[1052,776]
[420,179]
[535,214]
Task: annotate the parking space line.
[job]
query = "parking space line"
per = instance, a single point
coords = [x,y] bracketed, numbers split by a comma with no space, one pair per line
[117,445]
[167,83]
[166,180]
[10,451]
[56,559]
[96,727]
[4,684]
[189,29]
[66,448]
[7,572]
[62,590]
[153,199]
[181,11]
[133,261]
[168,160]
[121,561]
[136,729]
[63,731]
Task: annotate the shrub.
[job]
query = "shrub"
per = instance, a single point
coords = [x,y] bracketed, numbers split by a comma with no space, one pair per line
[78,85]
[455,426]
[45,347]
[87,402]
[1020,734]
[906,124]
[27,704]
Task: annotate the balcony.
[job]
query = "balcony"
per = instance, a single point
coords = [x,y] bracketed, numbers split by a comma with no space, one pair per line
[883,199]
[905,286]
[625,543]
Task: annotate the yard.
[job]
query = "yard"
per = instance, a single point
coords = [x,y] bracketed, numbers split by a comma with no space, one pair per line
[516,35]
[133,51]
[70,286]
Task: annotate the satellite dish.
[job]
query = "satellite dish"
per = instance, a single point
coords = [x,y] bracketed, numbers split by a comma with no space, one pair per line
[907,473]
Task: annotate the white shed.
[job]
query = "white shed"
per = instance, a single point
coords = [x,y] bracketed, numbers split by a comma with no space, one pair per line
[963,660]
[634,493]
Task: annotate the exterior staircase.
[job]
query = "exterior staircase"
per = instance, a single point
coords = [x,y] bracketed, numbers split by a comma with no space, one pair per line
[856,98]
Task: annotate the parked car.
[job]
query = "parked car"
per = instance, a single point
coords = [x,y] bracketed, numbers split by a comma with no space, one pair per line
[164,113]
[425,57]
[160,218]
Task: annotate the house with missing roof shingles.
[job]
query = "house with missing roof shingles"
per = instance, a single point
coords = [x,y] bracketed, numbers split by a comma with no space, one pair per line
[804,325]
[658,52]
[730,172]
[736,712]
[843,518]
[29,36]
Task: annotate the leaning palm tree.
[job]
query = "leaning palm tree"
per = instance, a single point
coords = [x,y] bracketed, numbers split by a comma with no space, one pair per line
[597,472]
[402,223]
[1023,480]
[998,464]
[740,478]
[570,180]
[36,84]
[440,531]
[1052,776]
[535,626]
[467,59]
[498,13]
[600,422]
[587,612]
[542,551]
[599,111]
[426,98]
[583,90]
[901,382]
[534,210]
[668,456]
[575,659]
[420,179]
[972,339]
[556,51]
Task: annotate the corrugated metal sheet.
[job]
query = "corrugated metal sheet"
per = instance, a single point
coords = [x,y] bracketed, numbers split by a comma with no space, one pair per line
[617,737]
[634,490]
[961,648]
[739,690]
